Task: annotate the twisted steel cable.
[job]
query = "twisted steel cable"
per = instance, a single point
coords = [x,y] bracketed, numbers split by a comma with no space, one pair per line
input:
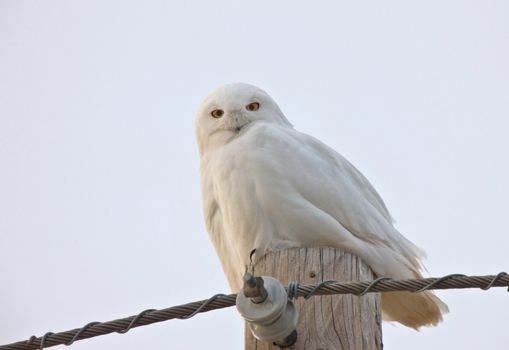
[219,301]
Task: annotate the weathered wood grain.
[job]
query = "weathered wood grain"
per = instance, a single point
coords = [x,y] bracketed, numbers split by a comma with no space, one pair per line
[343,322]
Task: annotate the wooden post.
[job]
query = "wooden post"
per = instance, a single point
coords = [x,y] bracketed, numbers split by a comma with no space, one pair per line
[344,322]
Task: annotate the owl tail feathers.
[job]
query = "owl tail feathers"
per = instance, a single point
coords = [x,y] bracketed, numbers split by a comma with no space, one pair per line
[413,310]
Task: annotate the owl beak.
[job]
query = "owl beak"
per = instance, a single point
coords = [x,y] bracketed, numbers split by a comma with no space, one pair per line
[241,126]
[240,121]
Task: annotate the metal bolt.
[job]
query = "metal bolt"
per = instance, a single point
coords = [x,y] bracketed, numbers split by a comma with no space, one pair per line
[288,341]
[254,289]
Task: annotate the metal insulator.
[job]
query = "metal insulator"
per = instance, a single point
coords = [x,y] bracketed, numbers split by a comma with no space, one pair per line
[264,304]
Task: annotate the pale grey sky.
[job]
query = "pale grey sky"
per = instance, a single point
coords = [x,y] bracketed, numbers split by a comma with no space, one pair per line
[100,209]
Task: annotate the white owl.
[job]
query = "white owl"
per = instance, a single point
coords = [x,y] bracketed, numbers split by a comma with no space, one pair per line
[267,186]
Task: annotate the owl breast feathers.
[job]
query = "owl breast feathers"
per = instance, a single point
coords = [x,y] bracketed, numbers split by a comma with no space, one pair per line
[267,186]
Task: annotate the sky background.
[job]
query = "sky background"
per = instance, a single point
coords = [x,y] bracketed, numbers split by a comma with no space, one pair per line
[100,206]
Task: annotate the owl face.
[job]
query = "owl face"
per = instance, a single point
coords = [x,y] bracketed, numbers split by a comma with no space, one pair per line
[231,109]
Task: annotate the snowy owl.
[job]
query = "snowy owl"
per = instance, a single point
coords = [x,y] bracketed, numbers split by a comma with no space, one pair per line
[267,186]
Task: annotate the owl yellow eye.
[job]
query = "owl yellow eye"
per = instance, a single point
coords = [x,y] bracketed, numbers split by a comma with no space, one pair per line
[253,106]
[217,113]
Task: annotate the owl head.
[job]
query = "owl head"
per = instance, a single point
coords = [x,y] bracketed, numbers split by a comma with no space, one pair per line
[229,110]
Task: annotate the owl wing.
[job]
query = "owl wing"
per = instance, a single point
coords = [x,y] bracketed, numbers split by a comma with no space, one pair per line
[217,229]
[347,196]
[313,193]
[364,213]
